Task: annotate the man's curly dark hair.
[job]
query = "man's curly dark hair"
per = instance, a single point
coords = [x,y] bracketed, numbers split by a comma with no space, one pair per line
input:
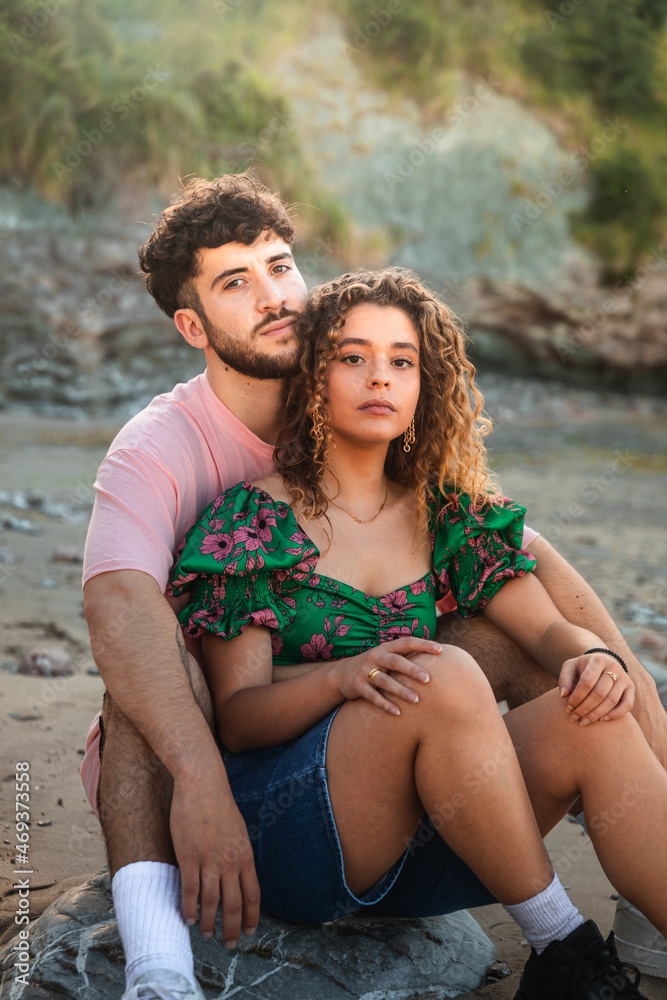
[235,208]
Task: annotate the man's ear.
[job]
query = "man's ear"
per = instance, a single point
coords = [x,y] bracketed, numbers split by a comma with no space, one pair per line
[189,326]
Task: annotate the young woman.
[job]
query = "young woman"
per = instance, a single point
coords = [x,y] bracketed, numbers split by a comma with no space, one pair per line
[348,732]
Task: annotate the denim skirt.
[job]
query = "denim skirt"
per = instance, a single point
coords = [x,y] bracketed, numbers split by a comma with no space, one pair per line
[283,795]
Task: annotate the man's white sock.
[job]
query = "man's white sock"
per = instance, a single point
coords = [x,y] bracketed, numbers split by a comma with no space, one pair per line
[549,916]
[147,898]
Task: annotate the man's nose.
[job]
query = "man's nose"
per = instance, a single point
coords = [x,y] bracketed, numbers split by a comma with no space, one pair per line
[271,296]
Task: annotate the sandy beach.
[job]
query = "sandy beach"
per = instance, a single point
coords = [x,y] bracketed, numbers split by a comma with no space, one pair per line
[592,472]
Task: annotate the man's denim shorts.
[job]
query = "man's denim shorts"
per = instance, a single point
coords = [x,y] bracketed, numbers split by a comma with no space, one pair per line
[283,796]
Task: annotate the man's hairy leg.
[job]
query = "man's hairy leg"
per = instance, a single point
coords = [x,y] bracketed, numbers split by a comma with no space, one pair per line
[515,677]
[136,788]
[137,644]
[135,799]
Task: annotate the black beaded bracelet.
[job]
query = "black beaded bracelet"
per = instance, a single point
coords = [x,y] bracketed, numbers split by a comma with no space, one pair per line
[609,652]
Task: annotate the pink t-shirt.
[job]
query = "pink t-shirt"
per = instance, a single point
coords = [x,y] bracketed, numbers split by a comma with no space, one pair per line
[161,472]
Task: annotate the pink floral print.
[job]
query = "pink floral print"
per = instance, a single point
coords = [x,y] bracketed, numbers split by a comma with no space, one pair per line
[248,563]
[317,649]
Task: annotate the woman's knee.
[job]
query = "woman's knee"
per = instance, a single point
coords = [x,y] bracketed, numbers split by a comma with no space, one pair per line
[553,721]
[458,687]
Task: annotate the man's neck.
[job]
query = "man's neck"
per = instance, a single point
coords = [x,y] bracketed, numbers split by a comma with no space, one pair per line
[256,403]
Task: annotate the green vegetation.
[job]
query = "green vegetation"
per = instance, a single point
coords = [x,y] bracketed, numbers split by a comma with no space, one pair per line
[577,62]
[95,94]
[606,50]
[614,55]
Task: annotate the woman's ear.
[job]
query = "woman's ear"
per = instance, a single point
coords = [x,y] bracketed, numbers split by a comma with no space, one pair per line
[189,326]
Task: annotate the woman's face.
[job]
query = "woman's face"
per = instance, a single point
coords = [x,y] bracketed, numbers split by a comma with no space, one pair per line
[373,386]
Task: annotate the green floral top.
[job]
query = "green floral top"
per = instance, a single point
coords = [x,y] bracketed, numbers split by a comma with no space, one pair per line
[248,562]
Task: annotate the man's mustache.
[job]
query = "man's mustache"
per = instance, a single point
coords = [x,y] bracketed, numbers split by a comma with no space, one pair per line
[274,318]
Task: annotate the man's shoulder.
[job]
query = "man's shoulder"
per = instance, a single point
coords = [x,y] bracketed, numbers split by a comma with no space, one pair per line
[169,418]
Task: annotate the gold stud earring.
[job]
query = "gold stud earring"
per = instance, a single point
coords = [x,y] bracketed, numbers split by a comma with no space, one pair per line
[409,436]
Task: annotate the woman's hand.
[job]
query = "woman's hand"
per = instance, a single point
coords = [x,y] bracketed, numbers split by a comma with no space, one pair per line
[352,674]
[591,691]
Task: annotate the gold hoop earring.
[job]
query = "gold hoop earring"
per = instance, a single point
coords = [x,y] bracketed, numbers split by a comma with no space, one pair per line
[409,436]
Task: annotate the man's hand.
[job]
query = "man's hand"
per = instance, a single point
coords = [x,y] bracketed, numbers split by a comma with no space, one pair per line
[215,857]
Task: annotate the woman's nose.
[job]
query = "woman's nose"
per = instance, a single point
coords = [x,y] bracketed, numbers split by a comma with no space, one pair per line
[378,379]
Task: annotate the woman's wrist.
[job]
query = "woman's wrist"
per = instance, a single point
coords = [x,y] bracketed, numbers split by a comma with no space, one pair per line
[609,652]
[332,678]
[563,641]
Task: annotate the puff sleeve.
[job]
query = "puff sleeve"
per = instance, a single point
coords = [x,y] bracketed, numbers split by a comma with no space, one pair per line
[475,551]
[238,564]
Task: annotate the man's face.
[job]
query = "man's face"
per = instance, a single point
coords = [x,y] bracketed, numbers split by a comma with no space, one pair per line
[250,296]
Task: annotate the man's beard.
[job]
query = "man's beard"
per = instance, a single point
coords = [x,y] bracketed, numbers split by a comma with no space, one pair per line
[245,360]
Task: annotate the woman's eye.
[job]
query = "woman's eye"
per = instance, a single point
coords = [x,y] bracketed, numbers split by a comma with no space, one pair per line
[352,358]
[404,363]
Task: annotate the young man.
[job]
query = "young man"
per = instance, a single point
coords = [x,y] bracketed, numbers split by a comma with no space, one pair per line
[219,261]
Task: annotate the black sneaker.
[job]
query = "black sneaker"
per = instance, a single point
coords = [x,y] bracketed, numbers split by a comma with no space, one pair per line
[583,966]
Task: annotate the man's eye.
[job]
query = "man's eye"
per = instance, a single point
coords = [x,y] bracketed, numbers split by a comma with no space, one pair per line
[281,268]
[234,283]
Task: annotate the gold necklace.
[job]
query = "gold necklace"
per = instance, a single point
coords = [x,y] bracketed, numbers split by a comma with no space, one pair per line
[353,516]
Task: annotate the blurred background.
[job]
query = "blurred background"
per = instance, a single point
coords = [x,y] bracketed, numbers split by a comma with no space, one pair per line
[514,153]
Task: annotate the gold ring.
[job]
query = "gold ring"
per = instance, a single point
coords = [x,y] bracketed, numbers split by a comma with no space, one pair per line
[374,671]
[612,675]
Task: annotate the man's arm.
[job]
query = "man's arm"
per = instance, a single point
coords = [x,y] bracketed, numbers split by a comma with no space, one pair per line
[137,645]
[579,604]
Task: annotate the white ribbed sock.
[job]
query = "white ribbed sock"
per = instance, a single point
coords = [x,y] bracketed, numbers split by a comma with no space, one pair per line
[549,916]
[147,897]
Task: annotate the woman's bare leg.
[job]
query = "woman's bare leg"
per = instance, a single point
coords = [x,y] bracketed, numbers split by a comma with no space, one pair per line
[623,789]
[384,771]
[437,756]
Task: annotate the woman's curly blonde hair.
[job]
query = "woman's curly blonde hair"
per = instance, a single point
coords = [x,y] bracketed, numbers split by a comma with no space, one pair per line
[449,425]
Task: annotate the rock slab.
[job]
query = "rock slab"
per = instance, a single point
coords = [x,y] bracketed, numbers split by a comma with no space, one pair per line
[75,952]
